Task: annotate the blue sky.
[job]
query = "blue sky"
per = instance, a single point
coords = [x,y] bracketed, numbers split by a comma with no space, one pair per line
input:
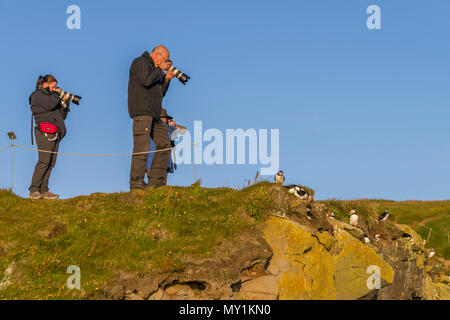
[361,113]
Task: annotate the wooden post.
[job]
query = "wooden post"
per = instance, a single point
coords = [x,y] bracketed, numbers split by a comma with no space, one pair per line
[12,167]
[429,233]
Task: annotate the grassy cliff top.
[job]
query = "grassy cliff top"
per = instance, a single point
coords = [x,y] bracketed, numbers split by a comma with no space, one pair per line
[141,232]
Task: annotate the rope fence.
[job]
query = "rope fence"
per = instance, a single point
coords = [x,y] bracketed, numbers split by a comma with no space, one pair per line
[12,146]
[98,155]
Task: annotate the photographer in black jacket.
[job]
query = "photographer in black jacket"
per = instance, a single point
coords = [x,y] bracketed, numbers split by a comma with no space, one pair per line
[147,87]
[49,112]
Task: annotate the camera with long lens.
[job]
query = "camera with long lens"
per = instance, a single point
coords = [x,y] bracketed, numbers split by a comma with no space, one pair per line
[72,97]
[181,129]
[178,74]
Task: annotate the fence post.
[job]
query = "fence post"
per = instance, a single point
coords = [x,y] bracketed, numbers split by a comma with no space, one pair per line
[12,167]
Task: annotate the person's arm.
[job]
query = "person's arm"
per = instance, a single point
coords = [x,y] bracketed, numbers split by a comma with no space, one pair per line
[45,103]
[143,73]
[65,108]
[166,84]
[169,76]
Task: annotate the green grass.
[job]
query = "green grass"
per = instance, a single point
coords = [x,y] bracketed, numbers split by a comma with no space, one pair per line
[147,231]
[137,232]
[421,216]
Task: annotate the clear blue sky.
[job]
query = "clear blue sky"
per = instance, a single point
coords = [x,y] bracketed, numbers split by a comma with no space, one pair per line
[361,113]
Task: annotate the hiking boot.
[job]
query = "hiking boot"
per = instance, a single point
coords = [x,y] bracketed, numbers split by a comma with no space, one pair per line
[50,195]
[35,195]
[138,187]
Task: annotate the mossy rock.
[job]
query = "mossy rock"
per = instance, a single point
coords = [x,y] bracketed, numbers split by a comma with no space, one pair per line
[351,265]
[304,268]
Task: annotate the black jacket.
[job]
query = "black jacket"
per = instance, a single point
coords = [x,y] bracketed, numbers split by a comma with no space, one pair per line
[46,106]
[146,87]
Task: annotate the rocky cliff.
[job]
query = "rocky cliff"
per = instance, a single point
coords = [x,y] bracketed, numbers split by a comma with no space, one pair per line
[289,256]
[199,243]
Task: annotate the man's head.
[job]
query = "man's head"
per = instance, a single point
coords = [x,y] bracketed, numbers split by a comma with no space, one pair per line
[165,116]
[160,54]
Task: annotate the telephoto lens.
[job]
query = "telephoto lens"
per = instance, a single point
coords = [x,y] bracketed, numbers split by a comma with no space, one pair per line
[181,129]
[179,75]
[72,97]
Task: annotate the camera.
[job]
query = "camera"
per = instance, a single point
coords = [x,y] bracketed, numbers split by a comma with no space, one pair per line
[72,97]
[178,74]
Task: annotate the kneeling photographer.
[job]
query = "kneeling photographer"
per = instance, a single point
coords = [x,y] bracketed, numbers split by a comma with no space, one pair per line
[50,106]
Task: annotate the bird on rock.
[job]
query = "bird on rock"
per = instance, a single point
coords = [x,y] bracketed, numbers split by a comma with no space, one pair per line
[309,213]
[353,218]
[383,216]
[279,177]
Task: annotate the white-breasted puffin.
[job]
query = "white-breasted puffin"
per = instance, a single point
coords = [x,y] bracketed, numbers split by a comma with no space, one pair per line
[353,218]
[279,177]
[432,253]
[383,216]
[298,191]
[309,214]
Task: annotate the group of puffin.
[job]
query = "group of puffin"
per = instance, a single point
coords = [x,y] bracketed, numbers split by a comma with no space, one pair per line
[301,193]
[297,190]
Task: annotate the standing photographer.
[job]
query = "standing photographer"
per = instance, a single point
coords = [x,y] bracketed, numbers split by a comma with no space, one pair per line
[147,87]
[49,112]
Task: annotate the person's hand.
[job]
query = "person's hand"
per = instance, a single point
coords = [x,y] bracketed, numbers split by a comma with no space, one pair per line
[165,65]
[57,90]
[169,75]
[66,96]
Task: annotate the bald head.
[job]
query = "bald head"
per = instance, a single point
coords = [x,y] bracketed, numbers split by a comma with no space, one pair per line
[161,49]
[160,54]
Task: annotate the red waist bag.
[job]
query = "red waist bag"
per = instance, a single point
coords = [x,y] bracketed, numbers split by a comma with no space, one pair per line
[48,127]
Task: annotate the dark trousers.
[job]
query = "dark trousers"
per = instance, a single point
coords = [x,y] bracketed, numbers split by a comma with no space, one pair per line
[45,164]
[145,127]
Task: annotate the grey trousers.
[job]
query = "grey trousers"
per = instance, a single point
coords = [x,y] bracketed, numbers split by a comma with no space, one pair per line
[45,164]
[145,127]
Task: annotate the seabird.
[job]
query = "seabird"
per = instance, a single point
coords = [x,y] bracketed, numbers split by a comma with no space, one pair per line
[432,252]
[279,177]
[353,218]
[303,193]
[377,237]
[309,214]
[298,191]
[366,239]
[407,236]
[383,216]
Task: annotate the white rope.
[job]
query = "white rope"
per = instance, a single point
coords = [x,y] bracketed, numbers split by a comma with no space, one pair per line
[101,155]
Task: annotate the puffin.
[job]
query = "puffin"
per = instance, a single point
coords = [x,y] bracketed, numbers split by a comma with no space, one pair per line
[309,214]
[298,191]
[383,216]
[432,253]
[377,237]
[407,236]
[279,177]
[366,239]
[353,218]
